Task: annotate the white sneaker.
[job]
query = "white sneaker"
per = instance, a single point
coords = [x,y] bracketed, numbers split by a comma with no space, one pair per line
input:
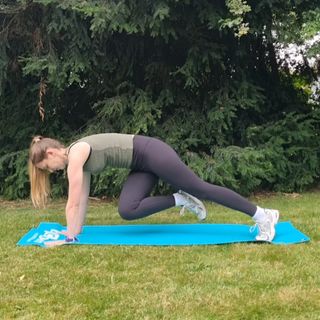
[267,227]
[194,205]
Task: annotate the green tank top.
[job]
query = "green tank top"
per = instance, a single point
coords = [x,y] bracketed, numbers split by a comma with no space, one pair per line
[108,149]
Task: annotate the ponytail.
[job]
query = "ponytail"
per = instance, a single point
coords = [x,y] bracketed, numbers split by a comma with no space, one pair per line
[39,185]
[39,179]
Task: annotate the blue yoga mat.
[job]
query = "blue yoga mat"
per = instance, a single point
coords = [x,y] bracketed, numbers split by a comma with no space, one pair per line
[161,234]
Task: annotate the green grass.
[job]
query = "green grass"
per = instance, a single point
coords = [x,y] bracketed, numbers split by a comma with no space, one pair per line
[239,281]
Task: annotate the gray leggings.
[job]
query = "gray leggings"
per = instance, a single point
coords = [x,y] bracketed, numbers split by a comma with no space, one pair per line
[154,159]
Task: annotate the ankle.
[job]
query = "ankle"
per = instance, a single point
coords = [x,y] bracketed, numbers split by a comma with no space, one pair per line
[259,215]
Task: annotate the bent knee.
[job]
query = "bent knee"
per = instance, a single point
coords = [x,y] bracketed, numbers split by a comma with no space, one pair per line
[126,213]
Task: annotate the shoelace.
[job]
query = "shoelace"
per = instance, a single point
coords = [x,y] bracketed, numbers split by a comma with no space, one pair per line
[182,210]
[261,227]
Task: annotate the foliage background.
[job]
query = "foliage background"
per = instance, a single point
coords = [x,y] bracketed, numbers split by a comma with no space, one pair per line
[201,75]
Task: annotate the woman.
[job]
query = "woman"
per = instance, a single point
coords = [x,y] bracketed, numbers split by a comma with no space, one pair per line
[149,159]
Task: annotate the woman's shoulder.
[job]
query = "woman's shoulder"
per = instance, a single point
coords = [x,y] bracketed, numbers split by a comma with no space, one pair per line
[78,147]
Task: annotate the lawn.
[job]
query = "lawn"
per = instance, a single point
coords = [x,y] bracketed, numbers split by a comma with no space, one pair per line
[238,281]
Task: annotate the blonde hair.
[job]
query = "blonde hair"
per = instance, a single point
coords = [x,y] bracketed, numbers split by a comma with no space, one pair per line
[39,179]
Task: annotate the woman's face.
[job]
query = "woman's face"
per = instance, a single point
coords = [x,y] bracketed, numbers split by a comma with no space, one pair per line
[55,160]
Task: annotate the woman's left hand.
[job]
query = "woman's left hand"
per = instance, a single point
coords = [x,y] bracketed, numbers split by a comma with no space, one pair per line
[51,244]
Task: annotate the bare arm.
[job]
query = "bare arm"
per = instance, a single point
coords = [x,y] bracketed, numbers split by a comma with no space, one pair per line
[84,196]
[79,184]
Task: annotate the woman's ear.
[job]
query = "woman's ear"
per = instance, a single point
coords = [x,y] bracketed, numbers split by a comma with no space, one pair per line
[50,152]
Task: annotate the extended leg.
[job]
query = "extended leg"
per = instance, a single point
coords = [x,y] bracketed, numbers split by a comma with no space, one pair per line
[164,162]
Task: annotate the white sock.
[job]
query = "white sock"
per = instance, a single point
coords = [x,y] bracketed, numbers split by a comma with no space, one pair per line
[179,199]
[259,215]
